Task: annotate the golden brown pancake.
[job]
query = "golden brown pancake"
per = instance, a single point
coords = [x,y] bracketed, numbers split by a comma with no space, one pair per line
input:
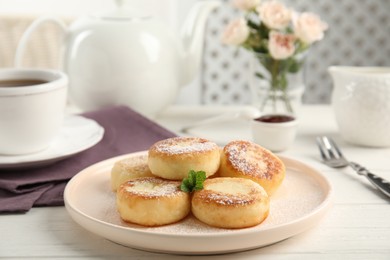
[173,158]
[129,168]
[230,203]
[245,159]
[152,201]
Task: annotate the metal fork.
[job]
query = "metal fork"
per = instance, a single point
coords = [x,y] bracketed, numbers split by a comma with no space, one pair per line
[333,157]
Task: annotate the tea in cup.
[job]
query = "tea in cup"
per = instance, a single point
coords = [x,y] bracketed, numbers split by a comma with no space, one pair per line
[32,106]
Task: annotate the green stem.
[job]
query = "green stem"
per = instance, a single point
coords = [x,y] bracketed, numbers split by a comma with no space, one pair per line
[274,81]
[265,101]
[287,102]
[278,86]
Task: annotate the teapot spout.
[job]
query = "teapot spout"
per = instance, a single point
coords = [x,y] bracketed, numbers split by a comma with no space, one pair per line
[192,36]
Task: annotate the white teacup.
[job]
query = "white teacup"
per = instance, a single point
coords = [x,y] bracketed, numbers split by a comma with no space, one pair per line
[274,132]
[32,105]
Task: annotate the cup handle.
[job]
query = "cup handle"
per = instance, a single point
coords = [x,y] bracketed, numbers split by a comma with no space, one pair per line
[27,34]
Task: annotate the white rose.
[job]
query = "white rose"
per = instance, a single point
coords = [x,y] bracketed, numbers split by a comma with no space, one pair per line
[236,32]
[245,5]
[274,14]
[309,28]
[281,46]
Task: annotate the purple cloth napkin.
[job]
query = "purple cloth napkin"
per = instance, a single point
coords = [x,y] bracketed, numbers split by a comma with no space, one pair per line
[125,131]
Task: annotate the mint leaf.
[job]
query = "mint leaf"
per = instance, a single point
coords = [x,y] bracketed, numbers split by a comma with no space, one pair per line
[194,181]
[200,178]
[185,186]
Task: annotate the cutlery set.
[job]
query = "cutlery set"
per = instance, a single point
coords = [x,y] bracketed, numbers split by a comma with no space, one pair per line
[333,157]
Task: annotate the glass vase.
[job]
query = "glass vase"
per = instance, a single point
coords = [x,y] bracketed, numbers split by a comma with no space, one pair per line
[277,86]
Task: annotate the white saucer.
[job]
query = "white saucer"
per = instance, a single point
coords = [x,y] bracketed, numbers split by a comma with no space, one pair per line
[77,134]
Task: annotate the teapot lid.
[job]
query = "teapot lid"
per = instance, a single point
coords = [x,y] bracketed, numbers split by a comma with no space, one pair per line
[121,12]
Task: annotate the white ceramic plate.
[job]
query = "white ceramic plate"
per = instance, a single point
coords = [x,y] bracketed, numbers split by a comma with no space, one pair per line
[299,204]
[77,134]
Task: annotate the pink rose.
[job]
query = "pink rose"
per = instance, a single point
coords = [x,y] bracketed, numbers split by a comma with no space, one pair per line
[245,5]
[281,46]
[274,14]
[236,32]
[309,28]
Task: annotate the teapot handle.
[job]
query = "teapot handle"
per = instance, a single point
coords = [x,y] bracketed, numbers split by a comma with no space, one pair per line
[26,36]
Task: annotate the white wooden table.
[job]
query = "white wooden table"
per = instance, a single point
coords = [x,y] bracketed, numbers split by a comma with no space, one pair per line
[356,227]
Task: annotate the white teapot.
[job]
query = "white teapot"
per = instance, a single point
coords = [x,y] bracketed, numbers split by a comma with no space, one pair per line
[128,58]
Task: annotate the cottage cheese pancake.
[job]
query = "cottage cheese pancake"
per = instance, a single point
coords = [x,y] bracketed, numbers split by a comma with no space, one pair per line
[173,158]
[129,168]
[151,201]
[248,160]
[231,203]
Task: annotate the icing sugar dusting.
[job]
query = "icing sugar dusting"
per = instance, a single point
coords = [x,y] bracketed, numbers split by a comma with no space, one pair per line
[249,159]
[181,145]
[225,199]
[152,187]
[289,203]
[299,195]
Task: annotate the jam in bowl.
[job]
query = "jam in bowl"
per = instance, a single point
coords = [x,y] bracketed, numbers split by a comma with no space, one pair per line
[275,118]
[275,132]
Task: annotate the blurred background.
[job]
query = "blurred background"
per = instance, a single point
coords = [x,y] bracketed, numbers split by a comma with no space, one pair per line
[358,35]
